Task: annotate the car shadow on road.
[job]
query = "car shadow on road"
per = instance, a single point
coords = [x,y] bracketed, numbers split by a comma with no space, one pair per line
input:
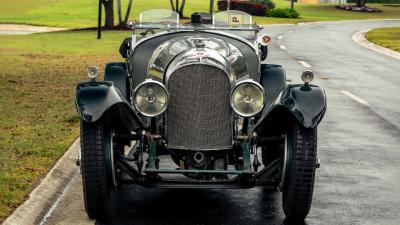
[138,205]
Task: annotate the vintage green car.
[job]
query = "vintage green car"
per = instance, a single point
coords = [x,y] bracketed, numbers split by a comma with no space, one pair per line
[194,106]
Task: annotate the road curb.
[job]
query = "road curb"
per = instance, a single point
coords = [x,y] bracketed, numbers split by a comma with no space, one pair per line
[359,38]
[43,197]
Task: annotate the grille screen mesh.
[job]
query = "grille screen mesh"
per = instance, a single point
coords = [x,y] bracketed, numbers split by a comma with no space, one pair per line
[199,113]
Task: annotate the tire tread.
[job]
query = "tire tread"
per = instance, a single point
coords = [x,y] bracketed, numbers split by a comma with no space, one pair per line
[298,192]
[95,190]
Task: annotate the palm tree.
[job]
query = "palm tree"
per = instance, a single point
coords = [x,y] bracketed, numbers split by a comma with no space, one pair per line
[128,11]
[109,13]
[175,7]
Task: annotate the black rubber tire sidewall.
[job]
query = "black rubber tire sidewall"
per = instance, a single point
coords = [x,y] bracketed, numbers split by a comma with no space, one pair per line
[93,166]
[297,191]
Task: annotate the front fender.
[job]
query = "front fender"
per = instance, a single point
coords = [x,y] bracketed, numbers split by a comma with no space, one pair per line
[101,99]
[306,104]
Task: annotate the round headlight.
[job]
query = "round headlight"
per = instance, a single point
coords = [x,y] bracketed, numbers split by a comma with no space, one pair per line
[247,98]
[150,98]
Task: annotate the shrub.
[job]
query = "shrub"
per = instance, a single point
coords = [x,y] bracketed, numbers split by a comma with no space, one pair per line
[255,8]
[283,13]
[252,8]
[268,3]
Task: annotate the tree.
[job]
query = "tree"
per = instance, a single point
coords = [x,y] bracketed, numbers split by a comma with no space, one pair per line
[181,8]
[128,11]
[175,7]
[211,6]
[361,3]
[109,13]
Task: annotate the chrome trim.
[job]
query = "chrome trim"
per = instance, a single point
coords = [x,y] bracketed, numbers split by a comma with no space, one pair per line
[251,82]
[147,81]
[203,57]
[197,50]
[307,73]
[253,45]
[169,49]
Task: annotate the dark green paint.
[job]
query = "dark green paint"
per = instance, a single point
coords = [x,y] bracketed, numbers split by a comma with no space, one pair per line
[101,99]
[152,154]
[246,156]
[180,171]
[116,73]
[306,103]
[273,80]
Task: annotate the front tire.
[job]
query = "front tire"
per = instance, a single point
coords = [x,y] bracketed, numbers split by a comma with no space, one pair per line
[299,174]
[96,191]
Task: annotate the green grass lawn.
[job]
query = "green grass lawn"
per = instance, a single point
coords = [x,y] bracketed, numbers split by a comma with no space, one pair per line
[387,37]
[75,13]
[38,120]
[82,14]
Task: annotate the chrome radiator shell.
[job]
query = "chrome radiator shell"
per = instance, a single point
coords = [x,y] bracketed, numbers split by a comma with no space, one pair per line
[199,116]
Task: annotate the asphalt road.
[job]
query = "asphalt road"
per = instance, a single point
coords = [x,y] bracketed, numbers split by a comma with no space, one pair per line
[359,144]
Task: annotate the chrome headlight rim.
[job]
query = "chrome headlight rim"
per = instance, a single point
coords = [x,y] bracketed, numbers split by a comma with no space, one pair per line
[150,81]
[250,81]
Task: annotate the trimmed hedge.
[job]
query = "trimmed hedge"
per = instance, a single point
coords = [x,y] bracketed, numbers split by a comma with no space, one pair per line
[255,8]
[283,13]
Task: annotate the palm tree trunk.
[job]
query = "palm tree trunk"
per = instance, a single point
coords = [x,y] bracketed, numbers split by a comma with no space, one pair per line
[128,11]
[171,2]
[109,12]
[182,8]
[119,12]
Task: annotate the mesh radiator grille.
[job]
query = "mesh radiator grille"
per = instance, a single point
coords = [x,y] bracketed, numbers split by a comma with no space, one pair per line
[199,116]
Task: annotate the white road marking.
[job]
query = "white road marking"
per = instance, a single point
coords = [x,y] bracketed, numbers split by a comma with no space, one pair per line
[305,64]
[282,47]
[54,206]
[354,97]
[323,77]
[290,31]
[280,37]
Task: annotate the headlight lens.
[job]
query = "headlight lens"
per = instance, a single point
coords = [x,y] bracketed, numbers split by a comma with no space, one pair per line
[150,98]
[247,98]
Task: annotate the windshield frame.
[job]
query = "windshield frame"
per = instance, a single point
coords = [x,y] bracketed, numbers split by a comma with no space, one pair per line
[196,27]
